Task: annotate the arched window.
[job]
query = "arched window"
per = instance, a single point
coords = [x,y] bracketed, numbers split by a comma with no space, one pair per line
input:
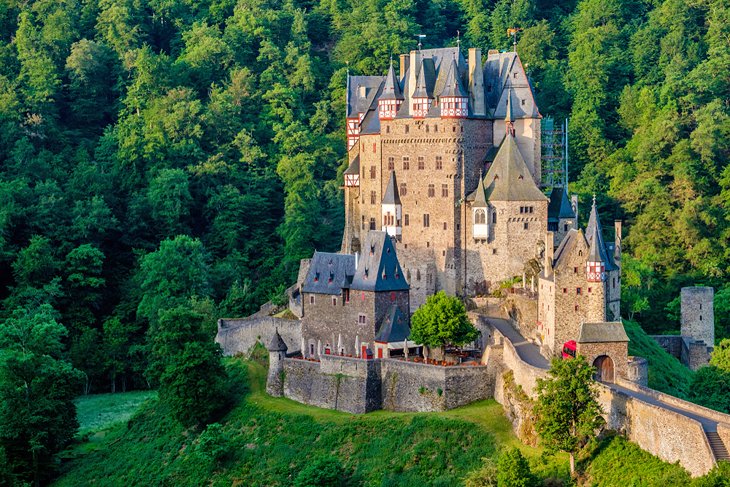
[479,217]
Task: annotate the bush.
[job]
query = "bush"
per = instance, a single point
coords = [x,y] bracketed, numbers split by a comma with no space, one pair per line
[514,471]
[486,476]
[323,472]
[711,388]
[213,444]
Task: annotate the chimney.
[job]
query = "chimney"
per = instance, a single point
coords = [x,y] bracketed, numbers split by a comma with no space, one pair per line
[413,67]
[617,245]
[549,252]
[574,204]
[476,82]
[404,63]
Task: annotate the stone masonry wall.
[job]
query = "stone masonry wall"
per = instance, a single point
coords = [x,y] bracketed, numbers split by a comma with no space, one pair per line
[666,434]
[240,335]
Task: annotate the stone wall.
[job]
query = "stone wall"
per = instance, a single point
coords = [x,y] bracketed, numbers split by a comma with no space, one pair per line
[672,344]
[358,386]
[638,370]
[522,310]
[666,434]
[240,335]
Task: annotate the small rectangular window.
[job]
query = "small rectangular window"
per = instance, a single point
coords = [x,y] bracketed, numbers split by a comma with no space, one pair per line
[403,189]
[439,162]
[565,290]
[334,301]
[406,220]
[406,163]
[361,319]
[391,164]
[406,128]
[575,270]
[373,172]
[311,299]
[431,190]
[525,226]
[494,251]
[421,163]
[426,220]
[445,190]
[577,290]
[373,197]
[445,226]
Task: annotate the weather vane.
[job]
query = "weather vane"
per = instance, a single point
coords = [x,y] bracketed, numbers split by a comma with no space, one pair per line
[420,38]
[458,39]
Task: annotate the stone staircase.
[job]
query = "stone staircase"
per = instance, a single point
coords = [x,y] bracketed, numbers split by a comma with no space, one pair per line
[718,447]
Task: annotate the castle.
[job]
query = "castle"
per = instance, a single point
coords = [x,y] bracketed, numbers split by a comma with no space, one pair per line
[443,192]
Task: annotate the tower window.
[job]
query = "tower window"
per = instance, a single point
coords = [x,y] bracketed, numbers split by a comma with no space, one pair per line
[363,222]
[373,197]
[406,128]
[439,162]
[375,147]
[431,191]
[361,319]
[406,163]
[421,163]
[426,220]
[373,172]
[494,217]
[577,290]
[526,226]
[403,189]
[372,224]
[575,270]
[565,290]
[479,217]
[565,227]
[406,220]
[576,307]
[346,293]
[387,129]
[590,289]
[334,301]
[445,227]
[523,102]
[391,163]
[494,251]
[445,190]
[311,299]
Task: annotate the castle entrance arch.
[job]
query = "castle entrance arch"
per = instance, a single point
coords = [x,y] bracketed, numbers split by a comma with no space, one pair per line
[604,368]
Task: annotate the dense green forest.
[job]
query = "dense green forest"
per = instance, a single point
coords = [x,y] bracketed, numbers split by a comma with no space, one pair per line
[174,158]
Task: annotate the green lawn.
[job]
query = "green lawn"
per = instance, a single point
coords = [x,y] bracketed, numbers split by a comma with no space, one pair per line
[100,411]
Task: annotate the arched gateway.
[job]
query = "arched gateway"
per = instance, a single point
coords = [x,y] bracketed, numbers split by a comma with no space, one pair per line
[604,368]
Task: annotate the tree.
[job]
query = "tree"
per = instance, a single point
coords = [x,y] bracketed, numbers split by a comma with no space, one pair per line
[567,411]
[186,363]
[721,355]
[514,471]
[37,388]
[711,388]
[324,471]
[440,321]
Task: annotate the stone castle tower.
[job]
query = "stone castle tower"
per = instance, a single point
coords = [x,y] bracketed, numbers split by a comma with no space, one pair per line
[580,283]
[420,142]
[277,353]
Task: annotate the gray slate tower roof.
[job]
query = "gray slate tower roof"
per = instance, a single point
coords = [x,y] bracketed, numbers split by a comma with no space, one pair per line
[452,86]
[508,178]
[379,269]
[423,90]
[559,206]
[479,196]
[594,236]
[391,90]
[277,343]
[328,273]
[391,196]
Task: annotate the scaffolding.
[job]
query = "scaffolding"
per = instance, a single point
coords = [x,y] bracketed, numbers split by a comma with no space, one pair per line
[554,153]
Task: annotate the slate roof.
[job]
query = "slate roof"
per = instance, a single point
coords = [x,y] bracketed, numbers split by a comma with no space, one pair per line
[354,167]
[566,246]
[602,332]
[559,206]
[329,273]
[452,84]
[479,196]
[594,235]
[394,327]
[277,343]
[434,71]
[379,269]
[508,178]
[391,90]
[391,196]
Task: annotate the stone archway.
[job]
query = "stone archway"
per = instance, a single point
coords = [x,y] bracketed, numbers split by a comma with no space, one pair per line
[604,368]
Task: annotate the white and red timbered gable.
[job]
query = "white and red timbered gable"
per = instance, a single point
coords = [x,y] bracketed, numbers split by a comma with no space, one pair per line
[595,271]
[421,106]
[353,131]
[454,107]
[352,180]
[387,109]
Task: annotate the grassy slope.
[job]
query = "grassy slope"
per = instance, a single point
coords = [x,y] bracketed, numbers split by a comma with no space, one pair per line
[666,373]
[269,440]
[100,411]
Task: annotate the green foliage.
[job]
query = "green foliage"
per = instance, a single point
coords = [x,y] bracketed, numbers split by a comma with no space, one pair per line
[514,471]
[323,472]
[567,410]
[37,387]
[711,388]
[721,355]
[485,476]
[97,412]
[187,365]
[440,321]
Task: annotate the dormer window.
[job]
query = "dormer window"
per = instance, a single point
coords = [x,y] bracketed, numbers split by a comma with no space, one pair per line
[316,277]
[332,276]
[384,276]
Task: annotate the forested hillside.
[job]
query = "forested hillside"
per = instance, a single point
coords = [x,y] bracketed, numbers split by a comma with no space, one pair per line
[156,153]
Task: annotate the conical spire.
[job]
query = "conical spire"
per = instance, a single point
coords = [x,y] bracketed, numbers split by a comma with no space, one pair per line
[508,178]
[453,86]
[391,191]
[480,198]
[421,85]
[391,90]
[594,235]
[277,343]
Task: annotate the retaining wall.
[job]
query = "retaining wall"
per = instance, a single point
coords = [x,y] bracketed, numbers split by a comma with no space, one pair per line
[670,436]
[357,386]
[240,335]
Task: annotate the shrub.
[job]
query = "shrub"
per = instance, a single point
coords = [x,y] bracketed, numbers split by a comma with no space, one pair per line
[324,471]
[514,471]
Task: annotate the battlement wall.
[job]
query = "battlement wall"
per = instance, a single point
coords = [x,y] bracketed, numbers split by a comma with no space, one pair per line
[239,335]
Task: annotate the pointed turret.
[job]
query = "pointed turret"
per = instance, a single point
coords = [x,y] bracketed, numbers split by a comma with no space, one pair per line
[392,96]
[508,178]
[422,98]
[391,208]
[277,343]
[597,257]
[453,100]
[480,210]
[277,353]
